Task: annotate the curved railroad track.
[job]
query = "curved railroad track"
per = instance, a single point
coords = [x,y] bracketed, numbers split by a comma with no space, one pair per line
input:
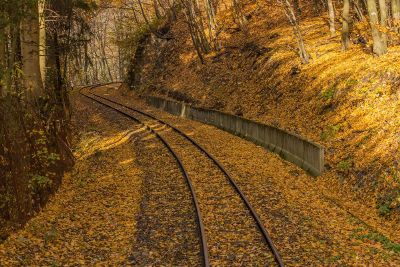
[116,106]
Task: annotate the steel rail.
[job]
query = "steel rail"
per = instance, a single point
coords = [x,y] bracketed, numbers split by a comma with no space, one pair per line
[266,235]
[204,247]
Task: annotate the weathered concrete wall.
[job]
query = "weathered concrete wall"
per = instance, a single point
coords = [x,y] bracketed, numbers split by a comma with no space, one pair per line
[291,147]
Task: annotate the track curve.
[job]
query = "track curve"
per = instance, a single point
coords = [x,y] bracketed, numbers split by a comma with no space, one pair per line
[254,214]
[204,246]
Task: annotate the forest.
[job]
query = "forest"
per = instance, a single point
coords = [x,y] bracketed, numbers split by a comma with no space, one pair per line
[112,151]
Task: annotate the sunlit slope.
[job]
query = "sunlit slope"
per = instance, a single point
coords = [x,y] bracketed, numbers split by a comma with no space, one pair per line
[346,101]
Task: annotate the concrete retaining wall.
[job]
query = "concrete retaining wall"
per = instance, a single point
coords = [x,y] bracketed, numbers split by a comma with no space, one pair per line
[291,147]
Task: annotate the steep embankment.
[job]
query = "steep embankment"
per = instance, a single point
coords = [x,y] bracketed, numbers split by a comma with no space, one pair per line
[346,101]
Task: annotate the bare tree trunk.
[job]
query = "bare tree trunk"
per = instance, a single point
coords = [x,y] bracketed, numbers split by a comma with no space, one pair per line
[15,59]
[359,8]
[30,52]
[156,10]
[346,25]
[239,16]
[379,46]
[305,57]
[196,45]
[144,13]
[316,7]
[3,42]
[297,8]
[189,13]
[384,20]
[161,5]
[331,12]
[42,40]
[212,24]
[396,14]
[200,26]
[196,26]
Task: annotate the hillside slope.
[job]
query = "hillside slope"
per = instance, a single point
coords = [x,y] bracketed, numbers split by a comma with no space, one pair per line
[346,101]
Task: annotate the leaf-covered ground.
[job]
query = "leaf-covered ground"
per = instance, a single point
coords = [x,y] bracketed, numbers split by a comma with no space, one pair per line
[115,207]
[91,220]
[311,221]
[167,230]
[233,238]
[347,101]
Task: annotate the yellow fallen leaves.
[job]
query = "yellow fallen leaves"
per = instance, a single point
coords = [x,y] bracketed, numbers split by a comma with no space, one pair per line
[352,89]
[91,220]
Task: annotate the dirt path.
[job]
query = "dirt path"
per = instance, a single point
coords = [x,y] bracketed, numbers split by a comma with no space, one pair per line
[92,218]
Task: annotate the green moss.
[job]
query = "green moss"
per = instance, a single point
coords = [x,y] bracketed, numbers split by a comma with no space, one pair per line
[39,182]
[384,209]
[329,93]
[351,82]
[345,165]
[330,132]
[379,238]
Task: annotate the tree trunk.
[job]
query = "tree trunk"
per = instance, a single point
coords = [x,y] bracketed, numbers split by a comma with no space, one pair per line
[193,30]
[212,24]
[42,40]
[144,14]
[359,9]
[14,60]
[384,20]
[396,14]
[331,12]
[297,8]
[305,57]
[346,25]
[2,61]
[156,10]
[197,17]
[239,16]
[316,7]
[379,46]
[30,53]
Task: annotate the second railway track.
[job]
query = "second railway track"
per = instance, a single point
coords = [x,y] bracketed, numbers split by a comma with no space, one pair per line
[231,232]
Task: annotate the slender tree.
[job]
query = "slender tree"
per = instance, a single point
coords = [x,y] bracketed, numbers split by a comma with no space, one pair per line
[331,12]
[384,20]
[30,39]
[346,25]
[297,8]
[2,62]
[290,13]
[42,39]
[379,45]
[396,14]
[212,24]
[239,16]
[359,7]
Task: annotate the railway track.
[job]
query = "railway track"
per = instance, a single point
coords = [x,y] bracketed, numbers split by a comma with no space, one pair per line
[143,118]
